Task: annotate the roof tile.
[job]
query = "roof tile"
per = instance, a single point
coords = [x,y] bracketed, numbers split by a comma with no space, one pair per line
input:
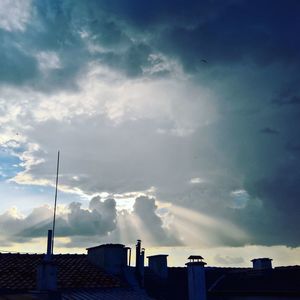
[19,272]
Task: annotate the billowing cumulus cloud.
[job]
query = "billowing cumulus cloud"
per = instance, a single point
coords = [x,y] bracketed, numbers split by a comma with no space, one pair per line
[98,222]
[194,103]
[145,210]
[99,219]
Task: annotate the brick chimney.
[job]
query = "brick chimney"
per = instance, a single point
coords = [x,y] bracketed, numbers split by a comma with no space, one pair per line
[158,265]
[262,263]
[196,278]
[110,257]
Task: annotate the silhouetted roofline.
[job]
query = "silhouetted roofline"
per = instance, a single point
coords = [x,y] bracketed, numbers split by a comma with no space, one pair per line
[158,255]
[107,246]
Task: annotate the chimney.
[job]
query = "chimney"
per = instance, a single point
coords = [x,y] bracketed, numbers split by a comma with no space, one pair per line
[49,246]
[47,270]
[142,265]
[129,258]
[262,263]
[137,253]
[110,257]
[196,278]
[158,265]
[139,263]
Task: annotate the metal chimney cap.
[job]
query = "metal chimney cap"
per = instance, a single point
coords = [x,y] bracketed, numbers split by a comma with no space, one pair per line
[195,257]
[262,259]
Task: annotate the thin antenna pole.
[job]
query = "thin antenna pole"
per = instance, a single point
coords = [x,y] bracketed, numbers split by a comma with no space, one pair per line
[55,201]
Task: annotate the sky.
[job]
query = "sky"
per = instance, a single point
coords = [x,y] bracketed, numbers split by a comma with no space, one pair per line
[178,123]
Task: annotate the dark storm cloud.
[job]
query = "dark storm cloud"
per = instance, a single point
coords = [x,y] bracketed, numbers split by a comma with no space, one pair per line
[270,176]
[268,130]
[197,31]
[128,31]
[144,16]
[262,167]
[242,31]
[278,217]
[68,29]
[17,66]
[247,52]
[292,146]
[19,52]
[287,100]
[288,94]
[130,61]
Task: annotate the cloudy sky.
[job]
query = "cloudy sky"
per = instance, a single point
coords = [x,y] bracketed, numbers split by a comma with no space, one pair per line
[178,123]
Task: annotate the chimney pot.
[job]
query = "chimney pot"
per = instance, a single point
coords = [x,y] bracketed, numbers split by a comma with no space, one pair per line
[111,257]
[47,270]
[263,263]
[158,265]
[196,278]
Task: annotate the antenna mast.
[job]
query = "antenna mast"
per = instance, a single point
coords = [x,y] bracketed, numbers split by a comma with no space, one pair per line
[55,201]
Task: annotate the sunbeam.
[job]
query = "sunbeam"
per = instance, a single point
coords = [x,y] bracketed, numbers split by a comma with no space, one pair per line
[141,230]
[126,228]
[197,227]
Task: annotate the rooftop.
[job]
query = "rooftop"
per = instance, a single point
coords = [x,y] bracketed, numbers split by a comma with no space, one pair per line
[158,255]
[227,281]
[107,246]
[19,271]
[279,281]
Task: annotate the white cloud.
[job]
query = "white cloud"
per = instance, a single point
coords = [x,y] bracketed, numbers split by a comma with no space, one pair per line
[14,14]
[160,64]
[103,91]
[48,60]
[196,180]
[239,198]
[106,104]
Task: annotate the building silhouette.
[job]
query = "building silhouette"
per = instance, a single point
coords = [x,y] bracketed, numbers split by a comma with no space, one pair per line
[105,272]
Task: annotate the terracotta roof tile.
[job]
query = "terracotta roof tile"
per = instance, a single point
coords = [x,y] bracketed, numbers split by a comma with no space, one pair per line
[19,272]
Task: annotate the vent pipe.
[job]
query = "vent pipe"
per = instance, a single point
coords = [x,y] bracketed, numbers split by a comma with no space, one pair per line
[139,263]
[49,245]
